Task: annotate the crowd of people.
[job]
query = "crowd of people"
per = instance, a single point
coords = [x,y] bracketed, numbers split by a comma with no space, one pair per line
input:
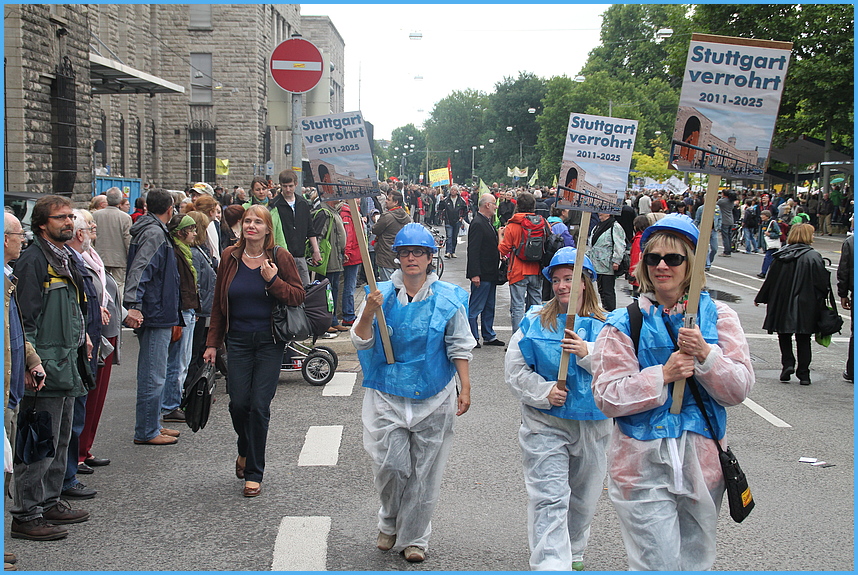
[197,274]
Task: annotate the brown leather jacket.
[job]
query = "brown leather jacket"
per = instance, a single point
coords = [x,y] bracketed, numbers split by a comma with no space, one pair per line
[287,288]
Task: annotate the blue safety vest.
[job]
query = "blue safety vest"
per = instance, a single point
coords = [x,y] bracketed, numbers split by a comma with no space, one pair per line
[655,348]
[541,350]
[421,367]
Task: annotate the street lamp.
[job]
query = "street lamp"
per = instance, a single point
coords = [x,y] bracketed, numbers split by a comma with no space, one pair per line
[520,154]
[473,152]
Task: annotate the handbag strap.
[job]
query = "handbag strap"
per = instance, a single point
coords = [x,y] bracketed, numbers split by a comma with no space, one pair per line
[695,391]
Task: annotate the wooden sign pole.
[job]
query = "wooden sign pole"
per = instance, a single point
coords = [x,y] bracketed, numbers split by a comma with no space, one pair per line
[698,275]
[572,306]
[370,280]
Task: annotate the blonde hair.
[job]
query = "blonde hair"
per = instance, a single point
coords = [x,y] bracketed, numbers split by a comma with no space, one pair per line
[674,244]
[202,222]
[262,212]
[590,306]
[800,234]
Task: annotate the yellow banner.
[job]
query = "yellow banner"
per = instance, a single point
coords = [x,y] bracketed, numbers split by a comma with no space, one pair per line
[221,167]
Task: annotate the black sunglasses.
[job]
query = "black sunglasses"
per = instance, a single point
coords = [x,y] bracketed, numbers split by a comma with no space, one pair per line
[673,260]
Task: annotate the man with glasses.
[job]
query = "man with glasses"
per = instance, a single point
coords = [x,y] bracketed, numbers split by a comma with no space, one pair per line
[482,270]
[54,314]
[293,224]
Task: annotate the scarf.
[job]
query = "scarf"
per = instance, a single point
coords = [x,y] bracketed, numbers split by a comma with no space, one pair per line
[601,228]
[93,260]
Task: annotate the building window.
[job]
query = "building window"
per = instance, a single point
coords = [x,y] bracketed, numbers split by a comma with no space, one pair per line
[64,128]
[202,148]
[201,78]
[200,17]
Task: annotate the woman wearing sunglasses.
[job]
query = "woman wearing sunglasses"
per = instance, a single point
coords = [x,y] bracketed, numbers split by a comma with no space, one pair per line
[410,405]
[665,478]
[563,435]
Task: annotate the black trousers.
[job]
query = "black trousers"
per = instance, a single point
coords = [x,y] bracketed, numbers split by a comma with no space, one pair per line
[605,283]
[802,344]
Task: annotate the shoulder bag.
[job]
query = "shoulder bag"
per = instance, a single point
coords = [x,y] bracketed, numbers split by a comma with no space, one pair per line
[289,322]
[830,321]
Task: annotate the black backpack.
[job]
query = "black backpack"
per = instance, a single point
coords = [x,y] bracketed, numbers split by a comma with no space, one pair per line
[552,243]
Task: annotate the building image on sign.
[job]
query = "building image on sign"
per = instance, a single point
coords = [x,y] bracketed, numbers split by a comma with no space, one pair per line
[345,176]
[590,197]
[697,149]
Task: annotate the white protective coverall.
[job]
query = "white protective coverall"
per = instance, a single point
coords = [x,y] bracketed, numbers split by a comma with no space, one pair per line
[564,459]
[409,440]
[667,491]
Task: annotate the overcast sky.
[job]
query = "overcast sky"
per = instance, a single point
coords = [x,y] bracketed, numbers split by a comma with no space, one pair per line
[464,46]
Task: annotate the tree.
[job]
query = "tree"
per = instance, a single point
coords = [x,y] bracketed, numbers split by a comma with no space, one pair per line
[653,166]
[456,123]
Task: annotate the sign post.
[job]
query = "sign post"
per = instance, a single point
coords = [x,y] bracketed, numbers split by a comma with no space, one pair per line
[296,66]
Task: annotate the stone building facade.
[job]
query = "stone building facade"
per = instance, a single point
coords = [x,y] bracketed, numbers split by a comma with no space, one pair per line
[217,53]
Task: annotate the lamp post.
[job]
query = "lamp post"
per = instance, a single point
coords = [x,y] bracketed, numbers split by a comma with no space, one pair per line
[473,155]
[520,152]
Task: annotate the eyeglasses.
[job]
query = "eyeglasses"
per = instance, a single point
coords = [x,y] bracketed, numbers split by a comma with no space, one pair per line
[22,234]
[93,228]
[71,217]
[673,260]
[416,252]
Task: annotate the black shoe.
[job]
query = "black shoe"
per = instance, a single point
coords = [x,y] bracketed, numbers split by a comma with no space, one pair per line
[726,255]
[97,461]
[786,373]
[478,346]
[62,513]
[495,342]
[84,469]
[847,376]
[804,382]
[177,415]
[79,491]
[36,530]
[761,276]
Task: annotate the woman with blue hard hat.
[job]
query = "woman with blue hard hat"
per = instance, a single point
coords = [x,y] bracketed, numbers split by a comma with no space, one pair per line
[410,405]
[563,435]
[665,479]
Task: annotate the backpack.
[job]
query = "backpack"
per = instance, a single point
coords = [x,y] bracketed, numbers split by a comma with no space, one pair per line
[534,231]
[323,224]
[552,243]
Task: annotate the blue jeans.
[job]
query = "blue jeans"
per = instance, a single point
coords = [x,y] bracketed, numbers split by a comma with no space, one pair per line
[767,261]
[350,274]
[151,375]
[78,420]
[750,239]
[713,247]
[254,368]
[178,359]
[334,279]
[523,294]
[482,303]
[452,236]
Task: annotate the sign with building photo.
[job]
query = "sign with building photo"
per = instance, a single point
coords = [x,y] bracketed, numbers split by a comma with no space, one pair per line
[340,157]
[596,159]
[731,94]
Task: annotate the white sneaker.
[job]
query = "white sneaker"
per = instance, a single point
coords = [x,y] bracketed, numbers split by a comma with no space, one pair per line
[385,542]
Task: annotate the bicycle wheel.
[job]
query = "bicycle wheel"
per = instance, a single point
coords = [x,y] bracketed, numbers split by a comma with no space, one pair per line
[439,265]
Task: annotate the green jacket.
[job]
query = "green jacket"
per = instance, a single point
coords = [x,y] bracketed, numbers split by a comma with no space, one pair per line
[53,309]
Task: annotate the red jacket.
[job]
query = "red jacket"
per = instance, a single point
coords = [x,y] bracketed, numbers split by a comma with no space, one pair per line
[352,252]
[512,234]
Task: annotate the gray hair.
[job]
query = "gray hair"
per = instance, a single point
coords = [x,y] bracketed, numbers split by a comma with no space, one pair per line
[114,196]
[80,219]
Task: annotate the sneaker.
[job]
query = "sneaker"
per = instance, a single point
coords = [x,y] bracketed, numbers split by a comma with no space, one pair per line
[62,513]
[495,342]
[761,275]
[452,256]
[177,416]
[79,491]
[37,530]
[414,554]
[329,335]
[577,566]
[385,542]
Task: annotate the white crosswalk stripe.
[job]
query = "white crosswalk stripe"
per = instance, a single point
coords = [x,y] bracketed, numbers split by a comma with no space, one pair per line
[301,544]
[341,385]
[321,445]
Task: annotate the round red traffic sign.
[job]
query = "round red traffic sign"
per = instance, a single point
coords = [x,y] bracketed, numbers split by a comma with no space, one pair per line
[296,65]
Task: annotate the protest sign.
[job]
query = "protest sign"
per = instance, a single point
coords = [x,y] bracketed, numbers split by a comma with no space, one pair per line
[439,177]
[730,97]
[596,160]
[340,158]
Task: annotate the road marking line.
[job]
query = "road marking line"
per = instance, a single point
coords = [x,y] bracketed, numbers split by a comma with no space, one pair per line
[301,544]
[755,289]
[321,445]
[775,336]
[765,414]
[342,385]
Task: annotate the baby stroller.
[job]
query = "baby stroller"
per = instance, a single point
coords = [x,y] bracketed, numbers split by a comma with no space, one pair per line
[317,363]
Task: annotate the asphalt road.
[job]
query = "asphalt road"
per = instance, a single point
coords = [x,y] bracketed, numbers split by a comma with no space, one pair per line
[180,507]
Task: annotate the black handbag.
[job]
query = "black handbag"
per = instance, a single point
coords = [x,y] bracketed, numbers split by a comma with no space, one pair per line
[503,268]
[829,321]
[35,438]
[289,322]
[198,397]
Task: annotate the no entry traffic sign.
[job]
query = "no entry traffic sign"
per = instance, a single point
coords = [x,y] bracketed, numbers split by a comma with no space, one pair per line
[296,65]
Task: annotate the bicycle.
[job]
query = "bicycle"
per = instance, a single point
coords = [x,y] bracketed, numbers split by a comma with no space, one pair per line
[437,258]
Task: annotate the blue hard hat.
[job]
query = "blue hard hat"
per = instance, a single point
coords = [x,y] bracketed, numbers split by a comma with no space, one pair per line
[414,234]
[673,223]
[566,257]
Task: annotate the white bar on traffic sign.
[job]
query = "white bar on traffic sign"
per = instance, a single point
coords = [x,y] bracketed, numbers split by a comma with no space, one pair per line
[295,65]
